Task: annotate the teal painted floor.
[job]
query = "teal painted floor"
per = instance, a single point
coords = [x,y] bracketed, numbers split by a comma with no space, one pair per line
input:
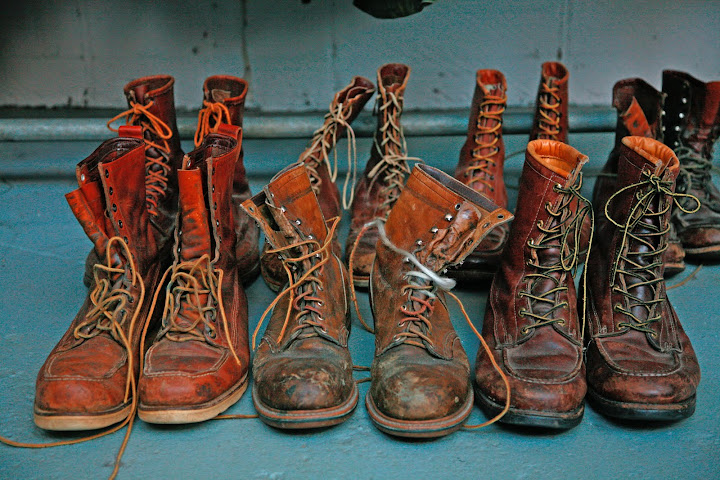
[42,250]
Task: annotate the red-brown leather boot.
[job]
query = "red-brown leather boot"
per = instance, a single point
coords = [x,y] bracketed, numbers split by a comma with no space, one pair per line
[151,105]
[692,126]
[385,172]
[531,319]
[481,168]
[420,373]
[640,363]
[224,103]
[88,379]
[551,107]
[344,108]
[302,369]
[197,365]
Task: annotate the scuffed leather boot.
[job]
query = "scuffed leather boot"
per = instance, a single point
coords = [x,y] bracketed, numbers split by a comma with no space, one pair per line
[420,373]
[639,107]
[531,318]
[197,366]
[385,172]
[481,168]
[551,107]
[344,108]
[88,379]
[151,105]
[640,364]
[224,103]
[692,125]
[302,369]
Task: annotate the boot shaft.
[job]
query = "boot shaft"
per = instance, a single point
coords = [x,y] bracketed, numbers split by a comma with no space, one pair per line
[550,121]
[389,139]
[639,110]
[223,102]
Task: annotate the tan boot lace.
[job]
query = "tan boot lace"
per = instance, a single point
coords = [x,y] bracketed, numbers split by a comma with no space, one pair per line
[157,169]
[489,126]
[209,119]
[549,110]
[317,152]
[635,269]
[304,283]
[108,305]
[562,227]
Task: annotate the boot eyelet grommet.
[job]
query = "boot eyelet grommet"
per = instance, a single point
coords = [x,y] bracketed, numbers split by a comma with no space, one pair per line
[457,206]
[110,190]
[500,216]
[434,230]
[213,189]
[663,128]
[114,207]
[272,195]
[683,100]
[677,128]
[681,115]
[448,217]
[283,209]
[419,243]
[107,174]
[217,223]
[214,205]
[310,237]
[486,225]
[406,260]
[298,222]
[211,333]
[125,239]
[120,224]
[82,177]
[317,255]
[131,300]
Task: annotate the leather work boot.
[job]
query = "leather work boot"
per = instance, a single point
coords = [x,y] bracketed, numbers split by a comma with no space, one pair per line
[692,125]
[640,364]
[151,105]
[88,380]
[302,369]
[385,172]
[344,108]
[197,365]
[639,106]
[420,374]
[531,319]
[224,103]
[551,107]
[481,168]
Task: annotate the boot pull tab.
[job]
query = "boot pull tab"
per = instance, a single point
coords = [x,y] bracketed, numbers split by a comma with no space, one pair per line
[130,131]
[231,131]
[635,121]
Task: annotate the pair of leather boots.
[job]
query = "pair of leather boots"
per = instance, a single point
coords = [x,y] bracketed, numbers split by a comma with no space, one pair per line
[618,340]
[149,209]
[420,377]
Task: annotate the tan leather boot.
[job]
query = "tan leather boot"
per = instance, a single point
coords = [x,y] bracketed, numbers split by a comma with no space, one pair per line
[87,381]
[198,363]
[344,108]
[550,121]
[531,319]
[420,373]
[385,172]
[302,369]
[640,363]
[481,168]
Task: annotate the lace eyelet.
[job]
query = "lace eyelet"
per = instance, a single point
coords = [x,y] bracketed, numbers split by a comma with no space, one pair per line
[457,206]
[419,243]
[434,230]
[448,217]
[501,216]
[486,225]
[114,207]
[110,190]
[298,222]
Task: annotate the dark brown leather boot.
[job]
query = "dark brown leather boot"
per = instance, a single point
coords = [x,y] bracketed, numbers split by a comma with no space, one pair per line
[639,107]
[531,319]
[551,107]
[88,379]
[151,105]
[197,365]
[640,363]
[385,171]
[420,373]
[224,103]
[481,168]
[692,125]
[302,369]
[344,108]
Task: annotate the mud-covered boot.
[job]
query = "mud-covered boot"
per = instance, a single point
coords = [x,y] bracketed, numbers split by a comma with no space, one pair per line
[420,373]
[198,363]
[640,363]
[302,371]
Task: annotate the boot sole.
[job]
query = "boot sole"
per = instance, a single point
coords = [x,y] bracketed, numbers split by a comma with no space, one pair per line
[531,418]
[305,419]
[419,428]
[361,281]
[195,413]
[667,412]
[674,268]
[50,421]
[711,253]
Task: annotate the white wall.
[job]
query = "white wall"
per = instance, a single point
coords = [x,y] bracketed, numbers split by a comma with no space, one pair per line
[295,55]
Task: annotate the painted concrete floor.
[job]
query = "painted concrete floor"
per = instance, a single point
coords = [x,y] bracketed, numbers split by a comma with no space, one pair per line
[42,249]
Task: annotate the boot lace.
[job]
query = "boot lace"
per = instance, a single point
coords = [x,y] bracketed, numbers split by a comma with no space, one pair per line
[562,232]
[157,168]
[304,282]
[549,110]
[634,269]
[196,286]
[209,119]
[695,175]
[489,125]
[323,140]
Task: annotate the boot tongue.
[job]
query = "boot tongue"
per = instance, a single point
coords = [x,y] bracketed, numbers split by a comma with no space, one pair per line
[194,239]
